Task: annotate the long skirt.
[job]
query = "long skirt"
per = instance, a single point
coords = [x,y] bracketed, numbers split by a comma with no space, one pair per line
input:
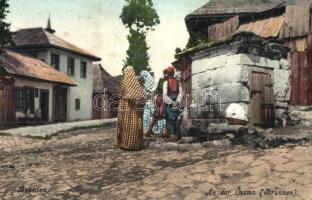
[129,127]
[149,113]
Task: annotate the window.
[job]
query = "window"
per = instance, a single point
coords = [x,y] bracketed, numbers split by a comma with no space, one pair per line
[19,99]
[71,67]
[55,61]
[83,69]
[77,104]
[24,99]
[33,54]
[29,99]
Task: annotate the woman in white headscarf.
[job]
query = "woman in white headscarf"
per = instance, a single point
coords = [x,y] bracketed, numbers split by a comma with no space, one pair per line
[149,86]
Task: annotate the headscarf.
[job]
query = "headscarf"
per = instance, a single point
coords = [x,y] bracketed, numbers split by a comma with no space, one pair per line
[177,75]
[149,82]
[130,86]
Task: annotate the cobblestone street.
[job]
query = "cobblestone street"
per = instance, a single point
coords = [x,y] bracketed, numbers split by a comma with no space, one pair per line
[85,165]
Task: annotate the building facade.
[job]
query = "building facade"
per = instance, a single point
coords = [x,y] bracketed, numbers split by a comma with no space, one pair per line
[240,70]
[286,21]
[105,94]
[67,58]
[27,90]
[80,69]
[276,22]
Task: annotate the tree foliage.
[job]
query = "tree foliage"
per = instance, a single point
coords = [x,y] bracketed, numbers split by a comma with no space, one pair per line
[137,53]
[5,33]
[140,17]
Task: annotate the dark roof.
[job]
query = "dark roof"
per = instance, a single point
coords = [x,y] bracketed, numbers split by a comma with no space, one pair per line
[40,37]
[217,7]
[103,80]
[24,66]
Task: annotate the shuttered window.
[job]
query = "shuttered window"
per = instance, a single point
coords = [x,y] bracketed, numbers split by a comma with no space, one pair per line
[83,69]
[55,61]
[29,99]
[24,99]
[77,104]
[19,100]
[71,67]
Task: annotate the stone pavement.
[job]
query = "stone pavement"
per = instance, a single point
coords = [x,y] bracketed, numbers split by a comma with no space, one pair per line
[45,131]
[85,165]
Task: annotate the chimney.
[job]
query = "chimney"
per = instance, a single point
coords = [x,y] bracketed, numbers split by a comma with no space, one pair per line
[49,28]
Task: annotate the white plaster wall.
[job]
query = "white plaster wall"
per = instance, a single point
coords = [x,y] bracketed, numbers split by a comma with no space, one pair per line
[82,91]
[39,85]
[44,56]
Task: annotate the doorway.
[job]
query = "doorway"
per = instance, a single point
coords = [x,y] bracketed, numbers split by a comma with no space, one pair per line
[59,104]
[261,106]
[44,105]
[7,103]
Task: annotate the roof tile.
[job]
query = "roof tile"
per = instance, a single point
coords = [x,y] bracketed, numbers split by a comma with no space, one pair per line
[21,65]
[235,6]
[103,80]
[41,37]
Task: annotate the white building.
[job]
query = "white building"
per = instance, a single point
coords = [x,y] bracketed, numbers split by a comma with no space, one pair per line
[26,89]
[67,58]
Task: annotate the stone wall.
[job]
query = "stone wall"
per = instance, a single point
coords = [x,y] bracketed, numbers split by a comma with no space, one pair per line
[282,89]
[221,75]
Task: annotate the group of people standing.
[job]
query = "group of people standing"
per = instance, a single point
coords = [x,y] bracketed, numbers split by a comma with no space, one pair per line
[135,92]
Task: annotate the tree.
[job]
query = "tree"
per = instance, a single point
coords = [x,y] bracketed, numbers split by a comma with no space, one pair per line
[5,33]
[137,53]
[140,17]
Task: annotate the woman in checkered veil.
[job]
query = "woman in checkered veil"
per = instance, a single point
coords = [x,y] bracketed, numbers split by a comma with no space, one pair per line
[129,133]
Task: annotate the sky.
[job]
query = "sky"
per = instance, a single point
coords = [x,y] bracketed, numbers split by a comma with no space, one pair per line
[95,25]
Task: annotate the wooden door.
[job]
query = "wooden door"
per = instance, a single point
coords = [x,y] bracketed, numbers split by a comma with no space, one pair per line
[59,104]
[262,106]
[301,78]
[7,111]
[44,105]
[97,102]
